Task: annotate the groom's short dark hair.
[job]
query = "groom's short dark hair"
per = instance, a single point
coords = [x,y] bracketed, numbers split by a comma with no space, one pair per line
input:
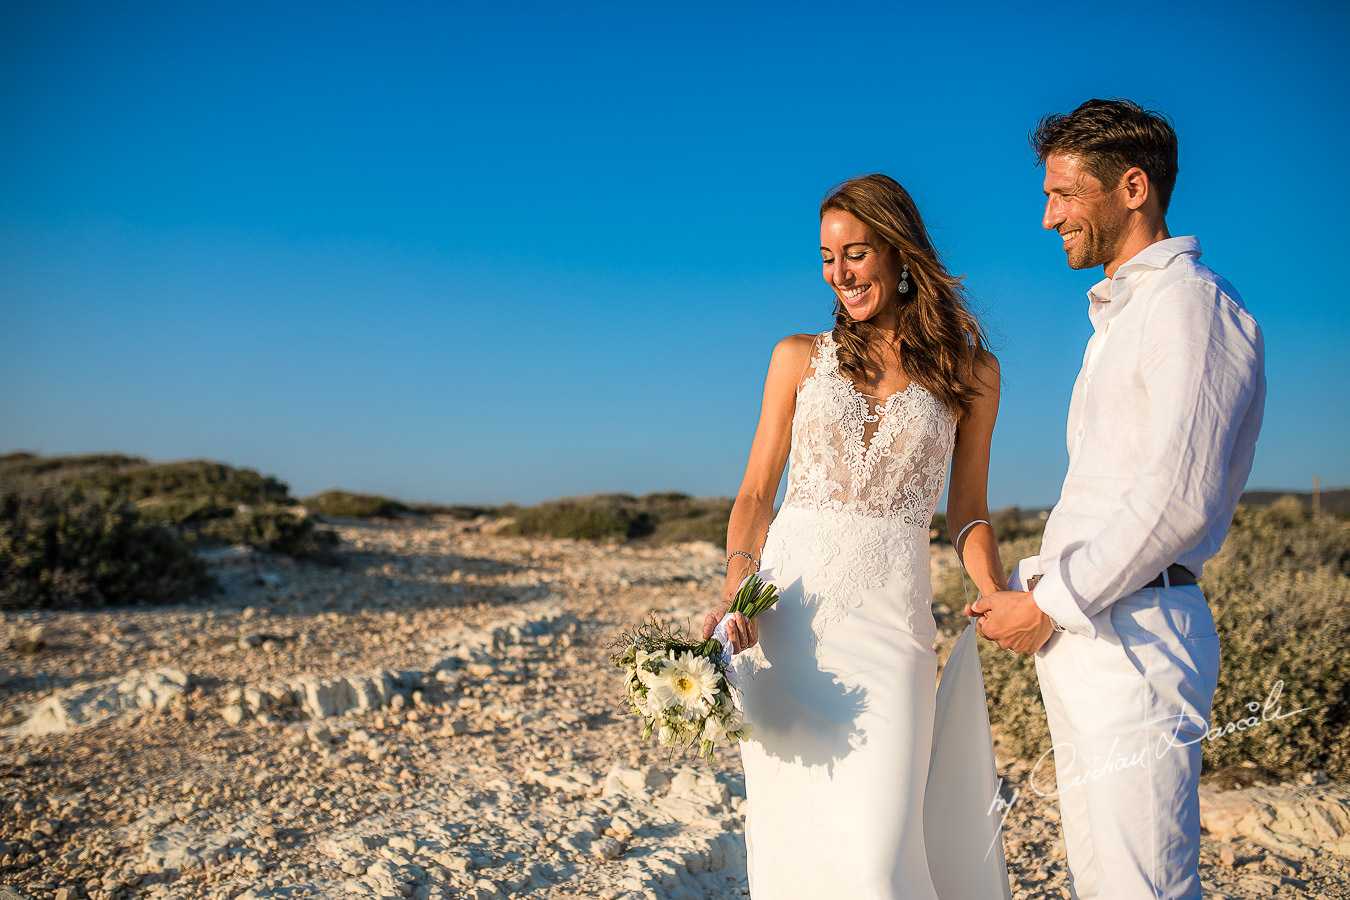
[1109,137]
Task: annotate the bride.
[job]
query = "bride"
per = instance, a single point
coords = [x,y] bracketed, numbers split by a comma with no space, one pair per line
[839,677]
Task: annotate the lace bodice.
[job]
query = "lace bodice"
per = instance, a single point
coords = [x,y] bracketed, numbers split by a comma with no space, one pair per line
[853,453]
[864,479]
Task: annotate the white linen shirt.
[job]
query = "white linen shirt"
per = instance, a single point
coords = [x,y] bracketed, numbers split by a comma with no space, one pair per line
[1162,429]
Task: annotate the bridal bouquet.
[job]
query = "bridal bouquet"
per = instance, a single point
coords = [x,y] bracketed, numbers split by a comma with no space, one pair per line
[683,688]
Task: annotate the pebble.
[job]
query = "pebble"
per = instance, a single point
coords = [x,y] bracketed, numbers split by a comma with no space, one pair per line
[607,848]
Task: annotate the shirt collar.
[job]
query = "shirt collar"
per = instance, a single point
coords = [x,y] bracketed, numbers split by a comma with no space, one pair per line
[1117,288]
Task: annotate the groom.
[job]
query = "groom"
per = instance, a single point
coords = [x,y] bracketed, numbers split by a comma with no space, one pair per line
[1162,426]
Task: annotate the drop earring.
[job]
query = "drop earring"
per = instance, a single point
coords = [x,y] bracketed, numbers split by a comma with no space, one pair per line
[903,287]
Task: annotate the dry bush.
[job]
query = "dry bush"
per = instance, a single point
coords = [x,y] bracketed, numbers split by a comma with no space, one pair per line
[570,519]
[354,506]
[188,480]
[461,511]
[1279,590]
[201,501]
[62,549]
[663,517]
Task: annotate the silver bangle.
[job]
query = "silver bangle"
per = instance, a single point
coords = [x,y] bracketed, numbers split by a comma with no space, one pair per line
[735,553]
[962,533]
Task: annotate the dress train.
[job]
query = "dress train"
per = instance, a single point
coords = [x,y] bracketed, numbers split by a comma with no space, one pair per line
[963,809]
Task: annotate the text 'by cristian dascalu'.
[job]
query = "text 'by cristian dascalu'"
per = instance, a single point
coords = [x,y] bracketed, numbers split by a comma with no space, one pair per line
[1184,731]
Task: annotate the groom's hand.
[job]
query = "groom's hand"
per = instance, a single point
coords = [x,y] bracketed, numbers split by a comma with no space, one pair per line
[1012,620]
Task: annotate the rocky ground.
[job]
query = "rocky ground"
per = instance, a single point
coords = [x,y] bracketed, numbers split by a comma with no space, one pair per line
[436,718]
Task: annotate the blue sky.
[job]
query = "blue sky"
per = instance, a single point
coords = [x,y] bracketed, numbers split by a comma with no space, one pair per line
[465,253]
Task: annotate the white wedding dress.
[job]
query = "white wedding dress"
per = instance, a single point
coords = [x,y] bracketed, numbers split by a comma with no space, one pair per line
[840,688]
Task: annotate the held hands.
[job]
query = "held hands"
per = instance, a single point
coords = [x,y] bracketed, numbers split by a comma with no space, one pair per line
[744,633]
[1012,620]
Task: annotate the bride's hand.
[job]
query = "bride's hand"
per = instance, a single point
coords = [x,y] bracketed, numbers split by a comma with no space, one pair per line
[744,633]
[711,619]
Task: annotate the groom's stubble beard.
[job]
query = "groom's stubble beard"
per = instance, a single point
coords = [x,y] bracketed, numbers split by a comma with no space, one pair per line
[1098,245]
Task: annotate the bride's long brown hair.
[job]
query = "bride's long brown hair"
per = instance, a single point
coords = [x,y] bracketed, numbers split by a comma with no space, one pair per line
[939,337]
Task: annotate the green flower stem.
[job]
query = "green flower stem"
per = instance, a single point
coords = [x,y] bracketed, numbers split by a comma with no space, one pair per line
[754,597]
[711,648]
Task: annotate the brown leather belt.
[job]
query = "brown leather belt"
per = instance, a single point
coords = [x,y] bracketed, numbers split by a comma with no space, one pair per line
[1176,575]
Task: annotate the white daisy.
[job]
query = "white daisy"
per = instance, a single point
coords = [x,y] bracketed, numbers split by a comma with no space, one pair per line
[689,681]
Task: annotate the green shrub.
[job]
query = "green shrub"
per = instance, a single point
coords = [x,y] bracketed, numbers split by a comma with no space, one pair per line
[63,549]
[1335,501]
[133,478]
[570,519]
[354,506]
[269,526]
[202,501]
[187,514]
[1284,536]
[1279,590]
[190,479]
[47,471]
[657,517]
[455,511]
[681,531]
[279,529]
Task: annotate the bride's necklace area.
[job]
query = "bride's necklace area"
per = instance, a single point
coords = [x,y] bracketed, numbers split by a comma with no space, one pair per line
[876,368]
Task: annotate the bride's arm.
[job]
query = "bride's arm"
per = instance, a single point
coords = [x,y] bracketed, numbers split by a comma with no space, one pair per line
[753,510]
[967,493]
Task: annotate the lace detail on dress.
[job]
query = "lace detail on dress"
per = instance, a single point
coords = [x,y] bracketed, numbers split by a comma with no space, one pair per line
[861,502]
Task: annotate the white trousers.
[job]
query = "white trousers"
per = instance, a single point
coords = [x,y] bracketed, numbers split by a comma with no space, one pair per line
[1128,711]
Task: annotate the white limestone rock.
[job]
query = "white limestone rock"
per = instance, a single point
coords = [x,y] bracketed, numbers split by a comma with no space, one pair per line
[184,848]
[81,705]
[1293,820]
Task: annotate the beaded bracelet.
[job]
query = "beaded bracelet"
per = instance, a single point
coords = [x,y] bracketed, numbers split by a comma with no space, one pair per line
[746,555]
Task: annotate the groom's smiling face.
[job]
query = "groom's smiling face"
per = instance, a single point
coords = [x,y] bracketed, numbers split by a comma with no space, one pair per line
[1089,218]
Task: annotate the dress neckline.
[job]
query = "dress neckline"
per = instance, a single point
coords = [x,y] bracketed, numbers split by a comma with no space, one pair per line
[882,403]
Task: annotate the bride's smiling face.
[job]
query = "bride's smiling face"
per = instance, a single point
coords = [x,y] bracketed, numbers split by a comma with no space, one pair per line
[860,268]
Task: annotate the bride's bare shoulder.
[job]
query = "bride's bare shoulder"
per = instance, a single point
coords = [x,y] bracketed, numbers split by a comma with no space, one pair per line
[789,360]
[794,349]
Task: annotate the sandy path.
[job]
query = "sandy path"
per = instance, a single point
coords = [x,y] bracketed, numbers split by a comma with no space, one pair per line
[434,719]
